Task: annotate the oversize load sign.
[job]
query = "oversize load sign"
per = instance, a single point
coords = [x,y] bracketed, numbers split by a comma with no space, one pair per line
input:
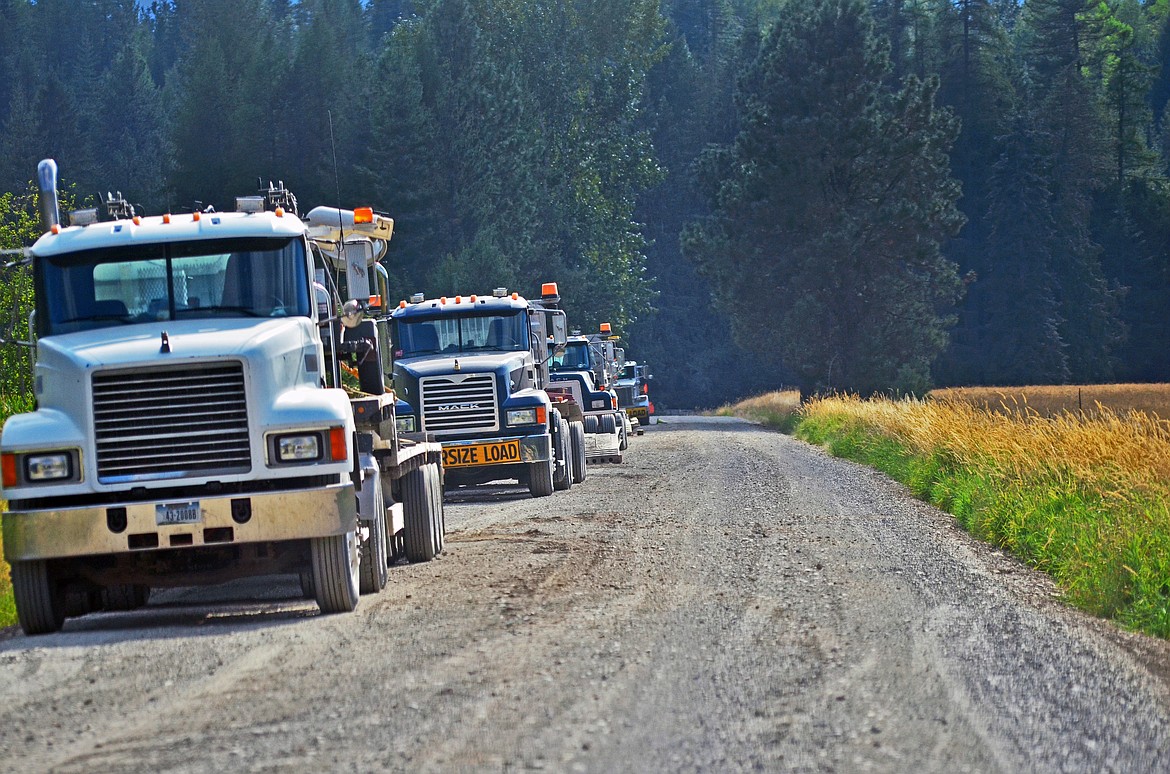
[497,453]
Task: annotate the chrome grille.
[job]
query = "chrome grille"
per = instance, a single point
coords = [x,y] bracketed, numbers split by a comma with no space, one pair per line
[185,421]
[454,403]
[625,395]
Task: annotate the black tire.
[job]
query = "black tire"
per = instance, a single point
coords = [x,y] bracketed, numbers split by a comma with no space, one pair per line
[40,601]
[124,596]
[625,436]
[540,478]
[418,504]
[562,448]
[307,588]
[439,518]
[374,556]
[608,424]
[335,572]
[577,441]
[591,424]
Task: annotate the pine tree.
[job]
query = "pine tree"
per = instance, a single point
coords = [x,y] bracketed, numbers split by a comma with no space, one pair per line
[831,206]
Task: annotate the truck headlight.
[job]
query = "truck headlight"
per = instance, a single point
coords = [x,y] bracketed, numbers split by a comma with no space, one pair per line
[527,416]
[405,424]
[53,466]
[299,447]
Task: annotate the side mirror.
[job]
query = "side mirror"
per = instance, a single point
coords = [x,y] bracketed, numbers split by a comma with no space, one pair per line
[351,313]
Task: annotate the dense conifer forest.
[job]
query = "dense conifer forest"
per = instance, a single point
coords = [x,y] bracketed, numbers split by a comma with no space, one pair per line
[835,194]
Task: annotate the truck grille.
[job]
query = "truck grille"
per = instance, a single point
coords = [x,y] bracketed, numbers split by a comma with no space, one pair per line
[625,395]
[179,422]
[454,403]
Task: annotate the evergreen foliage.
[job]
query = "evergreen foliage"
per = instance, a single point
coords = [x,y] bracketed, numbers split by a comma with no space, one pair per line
[842,164]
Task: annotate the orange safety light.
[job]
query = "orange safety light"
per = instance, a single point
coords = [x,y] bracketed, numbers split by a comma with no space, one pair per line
[337,450]
[56,229]
[402,304]
[8,462]
[515,296]
[443,300]
[167,218]
[473,298]
[549,289]
[137,220]
[279,212]
[375,301]
[605,328]
[363,215]
[541,415]
[195,217]
[459,299]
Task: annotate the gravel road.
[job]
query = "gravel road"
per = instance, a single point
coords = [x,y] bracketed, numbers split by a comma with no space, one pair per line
[728,599]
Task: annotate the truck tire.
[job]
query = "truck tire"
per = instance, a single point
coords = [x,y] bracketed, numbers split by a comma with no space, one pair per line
[308,590]
[540,478]
[40,602]
[335,572]
[591,424]
[577,441]
[124,596]
[562,448]
[608,424]
[435,485]
[374,557]
[418,505]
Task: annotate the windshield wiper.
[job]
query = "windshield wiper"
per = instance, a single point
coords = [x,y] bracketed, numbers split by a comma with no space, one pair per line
[247,311]
[122,318]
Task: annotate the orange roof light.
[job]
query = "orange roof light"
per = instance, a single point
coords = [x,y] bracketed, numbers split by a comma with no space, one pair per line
[605,328]
[279,212]
[375,301]
[442,299]
[137,220]
[363,215]
[515,296]
[459,299]
[167,218]
[473,298]
[549,289]
[402,304]
[195,217]
[56,228]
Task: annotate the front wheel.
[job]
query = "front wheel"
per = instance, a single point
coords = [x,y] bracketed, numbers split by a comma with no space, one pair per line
[540,478]
[335,572]
[563,470]
[40,603]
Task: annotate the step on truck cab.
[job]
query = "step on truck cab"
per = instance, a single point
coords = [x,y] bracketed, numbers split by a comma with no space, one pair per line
[470,372]
[587,365]
[190,424]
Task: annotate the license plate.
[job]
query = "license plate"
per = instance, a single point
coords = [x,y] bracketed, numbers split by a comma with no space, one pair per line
[638,412]
[177,513]
[496,453]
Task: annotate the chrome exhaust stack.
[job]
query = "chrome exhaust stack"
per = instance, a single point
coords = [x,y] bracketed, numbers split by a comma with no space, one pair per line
[47,182]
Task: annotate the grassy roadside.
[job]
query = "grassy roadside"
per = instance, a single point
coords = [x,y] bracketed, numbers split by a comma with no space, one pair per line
[1084,498]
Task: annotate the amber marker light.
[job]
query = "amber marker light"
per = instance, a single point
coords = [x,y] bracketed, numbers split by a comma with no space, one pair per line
[541,415]
[605,328]
[515,296]
[8,462]
[363,215]
[549,289]
[337,450]
[195,217]
[279,212]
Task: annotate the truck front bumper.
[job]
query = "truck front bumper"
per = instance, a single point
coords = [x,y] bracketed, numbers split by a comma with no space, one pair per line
[484,452]
[254,518]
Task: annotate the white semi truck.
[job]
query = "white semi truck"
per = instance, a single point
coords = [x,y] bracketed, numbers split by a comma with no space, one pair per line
[191,422]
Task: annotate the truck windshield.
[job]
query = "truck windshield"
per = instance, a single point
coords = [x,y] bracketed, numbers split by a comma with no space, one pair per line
[442,334]
[254,277]
[574,357]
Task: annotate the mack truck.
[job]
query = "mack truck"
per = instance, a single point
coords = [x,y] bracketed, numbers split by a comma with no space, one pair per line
[471,372]
[633,391]
[587,365]
[192,422]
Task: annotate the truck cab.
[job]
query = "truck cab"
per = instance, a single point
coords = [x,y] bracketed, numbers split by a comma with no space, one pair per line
[470,372]
[586,366]
[188,427]
[633,391]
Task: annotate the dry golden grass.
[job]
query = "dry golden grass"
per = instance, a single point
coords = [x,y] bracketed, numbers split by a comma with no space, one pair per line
[778,409]
[1120,455]
[1153,399]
